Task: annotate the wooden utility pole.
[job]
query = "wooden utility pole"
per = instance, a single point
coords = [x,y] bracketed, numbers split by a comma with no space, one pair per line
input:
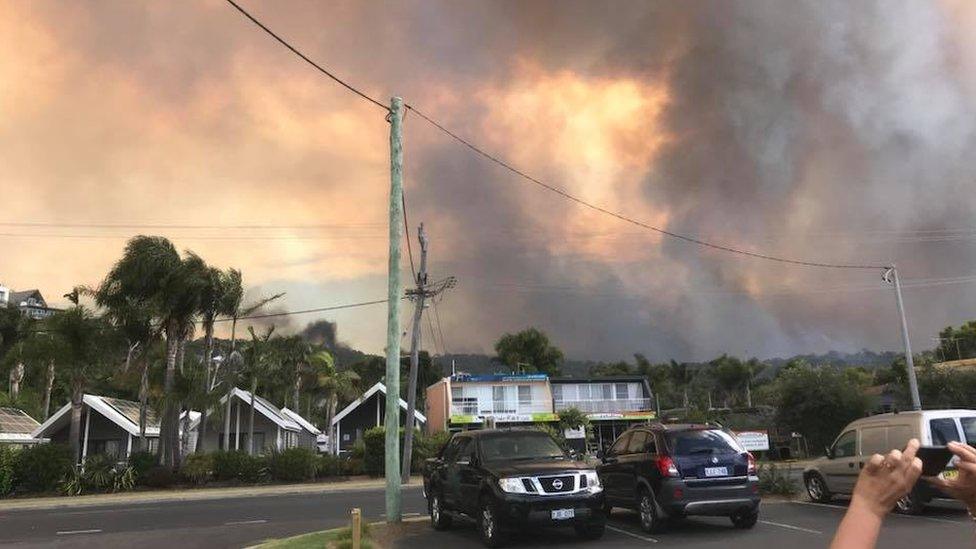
[393,513]
[419,297]
[424,290]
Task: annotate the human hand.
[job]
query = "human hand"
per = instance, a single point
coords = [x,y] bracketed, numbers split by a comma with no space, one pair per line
[963,486]
[886,479]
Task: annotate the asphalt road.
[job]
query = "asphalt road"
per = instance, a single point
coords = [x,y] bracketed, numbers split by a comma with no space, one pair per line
[236,522]
[239,522]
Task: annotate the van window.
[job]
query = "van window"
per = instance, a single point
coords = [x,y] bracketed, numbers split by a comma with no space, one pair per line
[898,436]
[969,428]
[943,431]
[845,445]
[874,441]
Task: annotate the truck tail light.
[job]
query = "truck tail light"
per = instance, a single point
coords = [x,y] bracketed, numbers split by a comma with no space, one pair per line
[667,467]
[752,463]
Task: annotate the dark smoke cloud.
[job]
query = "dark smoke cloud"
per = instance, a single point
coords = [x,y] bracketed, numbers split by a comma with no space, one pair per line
[821,130]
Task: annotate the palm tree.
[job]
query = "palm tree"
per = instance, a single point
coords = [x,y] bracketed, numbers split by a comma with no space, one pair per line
[134,320]
[85,345]
[232,306]
[260,363]
[213,300]
[152,273]
[335,385]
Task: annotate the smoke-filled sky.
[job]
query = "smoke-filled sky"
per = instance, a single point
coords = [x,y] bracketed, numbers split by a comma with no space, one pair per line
[825,131]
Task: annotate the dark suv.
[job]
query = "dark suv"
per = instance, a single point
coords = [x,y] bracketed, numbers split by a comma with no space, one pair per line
[672,471]
[507,479]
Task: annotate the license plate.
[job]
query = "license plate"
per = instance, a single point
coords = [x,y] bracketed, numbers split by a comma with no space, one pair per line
[716,471]
[563,514]
[950,474]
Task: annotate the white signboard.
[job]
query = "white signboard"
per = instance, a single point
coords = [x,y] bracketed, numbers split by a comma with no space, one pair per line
[753,441]
[575,433]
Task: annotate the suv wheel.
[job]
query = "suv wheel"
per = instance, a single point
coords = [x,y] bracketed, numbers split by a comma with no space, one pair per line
[439,519]
[911,504]
[590,530]
[650,521]
[745,520]
[817,489]
[488,524]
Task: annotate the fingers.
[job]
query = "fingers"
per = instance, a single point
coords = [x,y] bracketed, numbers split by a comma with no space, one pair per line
[875,463]
[914,470]
[964,451]
[910,450]
[967,466]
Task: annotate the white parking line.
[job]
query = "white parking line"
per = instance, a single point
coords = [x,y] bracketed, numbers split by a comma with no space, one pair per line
[73,532]
[631,534]
[791,527]
[256,521]
[844,509]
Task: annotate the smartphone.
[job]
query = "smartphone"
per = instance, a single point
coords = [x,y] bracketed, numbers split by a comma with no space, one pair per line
[934,459]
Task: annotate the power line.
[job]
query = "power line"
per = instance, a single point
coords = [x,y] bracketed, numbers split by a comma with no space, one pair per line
[324,71]
[305,311]
[623,217]
[437,316]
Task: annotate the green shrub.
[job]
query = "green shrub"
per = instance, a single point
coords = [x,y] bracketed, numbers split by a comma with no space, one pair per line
[374,451]
[8,463]
[776,480]
[99,472]
[198,468]
[141,463]
[353,466]
[238,465]
[327,465]
[160,477]
[73,483]
[125,479]
[427,446]
[293,464]
[39,468]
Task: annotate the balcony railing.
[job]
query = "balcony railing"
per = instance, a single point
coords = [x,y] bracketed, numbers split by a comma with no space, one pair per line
[606,406]
[498,407]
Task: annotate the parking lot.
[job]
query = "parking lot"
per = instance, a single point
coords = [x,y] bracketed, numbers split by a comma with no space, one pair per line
[796,525]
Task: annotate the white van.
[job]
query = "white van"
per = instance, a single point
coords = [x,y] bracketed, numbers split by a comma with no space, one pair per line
[836,472]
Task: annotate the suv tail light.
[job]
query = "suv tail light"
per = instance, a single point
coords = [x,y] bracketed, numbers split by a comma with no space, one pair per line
[752,463]
[667,467]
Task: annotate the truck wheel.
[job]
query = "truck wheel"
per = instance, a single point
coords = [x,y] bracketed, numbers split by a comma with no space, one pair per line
[489,526]
[745,520]
[651,522]
[817,489]
[439,519]
[590,530]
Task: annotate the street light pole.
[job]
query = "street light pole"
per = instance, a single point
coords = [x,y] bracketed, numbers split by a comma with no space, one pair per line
[891,276]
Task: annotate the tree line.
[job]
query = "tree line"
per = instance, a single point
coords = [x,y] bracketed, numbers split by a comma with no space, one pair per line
[133,336]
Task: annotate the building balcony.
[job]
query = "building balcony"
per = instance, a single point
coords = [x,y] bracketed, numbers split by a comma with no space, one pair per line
[605,406]
[501,412]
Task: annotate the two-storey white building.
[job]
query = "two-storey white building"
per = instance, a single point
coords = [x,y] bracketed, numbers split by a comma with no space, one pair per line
[465,401]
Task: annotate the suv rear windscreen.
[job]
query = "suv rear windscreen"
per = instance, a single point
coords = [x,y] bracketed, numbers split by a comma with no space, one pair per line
[944,431]
[711,441]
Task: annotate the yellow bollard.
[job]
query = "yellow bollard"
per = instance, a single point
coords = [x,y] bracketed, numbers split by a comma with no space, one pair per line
[357,527]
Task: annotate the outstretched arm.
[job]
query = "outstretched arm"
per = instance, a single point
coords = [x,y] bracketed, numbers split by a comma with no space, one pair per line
[883,481]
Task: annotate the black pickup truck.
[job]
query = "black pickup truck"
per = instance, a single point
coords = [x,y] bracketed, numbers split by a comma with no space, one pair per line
[505,479]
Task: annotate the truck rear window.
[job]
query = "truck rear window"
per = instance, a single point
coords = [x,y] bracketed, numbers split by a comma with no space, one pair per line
[712,441]
[520,446]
